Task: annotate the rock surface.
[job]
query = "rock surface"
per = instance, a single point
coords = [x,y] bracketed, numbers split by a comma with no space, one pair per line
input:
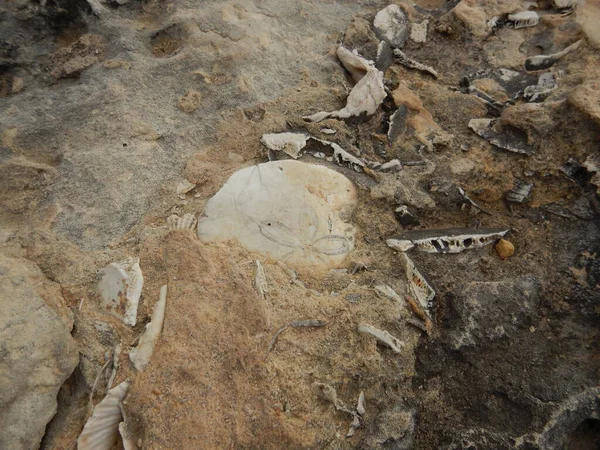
[38,354]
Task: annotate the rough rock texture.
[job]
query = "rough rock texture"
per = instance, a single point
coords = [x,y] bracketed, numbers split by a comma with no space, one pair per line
[38,352]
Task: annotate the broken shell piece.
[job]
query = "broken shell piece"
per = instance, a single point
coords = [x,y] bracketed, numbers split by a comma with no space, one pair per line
[405,217]
[391,166]
[287,210]
[390,25]
[401,58]
[140,356]
[354,63]
[102,429]
[451,240]
[419,286]
[355,425]
[289,143]
[418,31]
[187,222]
[383,336]
[341,156]
[386,291]
[183,188]
[360,407]
[541,62]
[125,431]
[328,131]
[365,97]
[260,280]
[385,56]
[327,392]
[520,191]
[113,375]
[542,90]
[121,288]
[507,138]
[592,165]
[524,19]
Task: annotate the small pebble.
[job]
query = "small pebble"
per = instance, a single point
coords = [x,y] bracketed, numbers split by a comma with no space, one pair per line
[505,249]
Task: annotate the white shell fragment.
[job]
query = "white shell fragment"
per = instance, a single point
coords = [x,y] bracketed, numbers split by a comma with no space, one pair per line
[391,25]
[121,287]
[341,156]
[125,431]
[451,240]
[355,64]
[524,19]
[289,143]
[365,97]
[401,58]
[388,292]
[418,31]
[287,210]
[417,283]
[541,62]
[383,336]
[183,188]
[260,280]
[187,222]
[140,356]
[101,431]
[360,407]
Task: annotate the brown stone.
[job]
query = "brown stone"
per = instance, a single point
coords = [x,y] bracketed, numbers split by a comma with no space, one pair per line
[505,249]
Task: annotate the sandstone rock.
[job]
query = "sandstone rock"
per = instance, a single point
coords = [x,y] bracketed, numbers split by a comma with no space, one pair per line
[476,14]
[586,98]
[505,249]
[38,354]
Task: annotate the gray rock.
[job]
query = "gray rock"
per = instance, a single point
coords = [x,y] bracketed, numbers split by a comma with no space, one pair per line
[493,309]
[391,25]
[37,353]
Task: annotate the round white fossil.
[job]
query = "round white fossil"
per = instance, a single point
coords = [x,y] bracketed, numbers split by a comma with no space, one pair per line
[286,210]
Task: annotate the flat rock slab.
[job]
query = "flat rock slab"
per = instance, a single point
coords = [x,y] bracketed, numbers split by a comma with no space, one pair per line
[37,355]
[286,210]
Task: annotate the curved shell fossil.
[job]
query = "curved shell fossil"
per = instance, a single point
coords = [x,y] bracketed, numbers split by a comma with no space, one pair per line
[102,428]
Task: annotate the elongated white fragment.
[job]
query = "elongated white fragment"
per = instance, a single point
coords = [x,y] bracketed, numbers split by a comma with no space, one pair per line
[140,356]
[383,336]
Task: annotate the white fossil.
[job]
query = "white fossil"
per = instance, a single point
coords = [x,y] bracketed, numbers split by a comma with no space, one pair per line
[121,287]
[101,431]
[419,286]
[449,240]
[386,291]
[187,222]
[401,58]
[183,188]
[286,210]
[287,142]
[524,19]
[140,356]
[418,31]
[360,407]
[126,432]
[383,336]
[365,97]
[260,280]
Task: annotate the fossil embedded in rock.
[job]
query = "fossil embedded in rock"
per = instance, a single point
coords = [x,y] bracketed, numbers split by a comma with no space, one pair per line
[287,210]
[140,356]
[365,97]
[524,19]
[401,58]
[419,286]
[520,191]
[289,143]
[187,222]
[507,138]
[383,336]
[101,431]
[121,287]
[540,62]
[450,240]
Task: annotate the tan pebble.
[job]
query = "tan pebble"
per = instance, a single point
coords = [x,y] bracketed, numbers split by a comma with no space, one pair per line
[505,249]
